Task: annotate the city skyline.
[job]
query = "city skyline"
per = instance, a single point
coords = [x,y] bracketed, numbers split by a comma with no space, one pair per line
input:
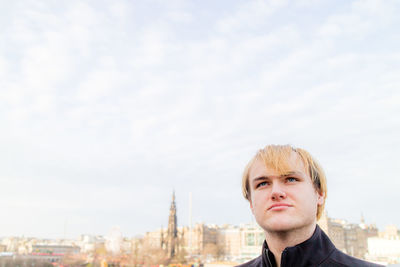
[165,226]
[117,228]
[106,107]
[232,244]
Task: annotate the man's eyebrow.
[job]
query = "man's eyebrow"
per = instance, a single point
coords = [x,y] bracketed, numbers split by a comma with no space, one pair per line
[288,173]
[264,177]
[260,178]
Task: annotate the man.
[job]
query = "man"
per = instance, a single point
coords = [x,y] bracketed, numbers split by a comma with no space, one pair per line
[286,189]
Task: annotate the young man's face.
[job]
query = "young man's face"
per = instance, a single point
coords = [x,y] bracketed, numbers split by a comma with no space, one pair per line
[283,202]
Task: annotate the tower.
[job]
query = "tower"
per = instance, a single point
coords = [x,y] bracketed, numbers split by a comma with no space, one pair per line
[172,234]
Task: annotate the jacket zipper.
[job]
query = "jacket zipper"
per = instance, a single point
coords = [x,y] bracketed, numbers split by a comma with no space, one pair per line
[282,258]
[269,261]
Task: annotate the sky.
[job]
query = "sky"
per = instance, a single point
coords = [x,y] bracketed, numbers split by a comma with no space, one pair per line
[106,107]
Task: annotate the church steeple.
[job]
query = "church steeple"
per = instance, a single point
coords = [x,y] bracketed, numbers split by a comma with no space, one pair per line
[173,205]
[362,218]
[172,235]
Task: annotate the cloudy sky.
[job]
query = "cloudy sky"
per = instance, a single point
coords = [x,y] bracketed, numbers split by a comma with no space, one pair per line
[107,106]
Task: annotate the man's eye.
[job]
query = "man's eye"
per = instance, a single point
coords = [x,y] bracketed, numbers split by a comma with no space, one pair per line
[291,179]
[261,184]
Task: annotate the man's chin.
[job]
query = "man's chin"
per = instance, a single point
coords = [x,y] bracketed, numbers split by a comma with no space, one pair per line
[279,226]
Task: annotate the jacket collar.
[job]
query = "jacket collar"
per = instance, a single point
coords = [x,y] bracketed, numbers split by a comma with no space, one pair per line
[308,253]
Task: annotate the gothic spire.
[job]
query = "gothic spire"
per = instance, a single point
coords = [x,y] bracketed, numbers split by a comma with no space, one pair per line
[172,235]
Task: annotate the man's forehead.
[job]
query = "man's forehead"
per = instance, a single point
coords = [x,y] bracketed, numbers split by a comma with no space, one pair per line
[278,167]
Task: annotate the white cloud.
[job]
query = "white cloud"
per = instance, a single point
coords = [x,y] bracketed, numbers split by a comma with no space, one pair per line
[3,67]
[101,83]
[364,18]
[45,66]
[119,10]
[249,15]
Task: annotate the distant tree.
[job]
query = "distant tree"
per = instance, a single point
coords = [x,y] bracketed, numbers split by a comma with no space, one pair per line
[155,256]
[181,256]
[70,260]
[100,249]
[212,250]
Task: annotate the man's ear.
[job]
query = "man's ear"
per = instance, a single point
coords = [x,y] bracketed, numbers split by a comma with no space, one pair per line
[321,198]
[251,206]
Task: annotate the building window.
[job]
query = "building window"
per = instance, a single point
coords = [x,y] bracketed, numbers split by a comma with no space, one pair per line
[260,239]
[250,239]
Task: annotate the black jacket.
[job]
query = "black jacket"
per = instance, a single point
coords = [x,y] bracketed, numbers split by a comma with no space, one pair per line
[316,251]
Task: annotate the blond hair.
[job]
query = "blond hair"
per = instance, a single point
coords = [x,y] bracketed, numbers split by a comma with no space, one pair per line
[277,158]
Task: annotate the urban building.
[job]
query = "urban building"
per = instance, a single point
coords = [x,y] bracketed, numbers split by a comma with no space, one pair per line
[53,253]
[350,238]
[385,248]
[228,240]
[252,237]
[3,248]
[114,241]
[170,240]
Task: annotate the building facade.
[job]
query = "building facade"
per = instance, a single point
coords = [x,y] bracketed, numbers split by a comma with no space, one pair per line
[385,247]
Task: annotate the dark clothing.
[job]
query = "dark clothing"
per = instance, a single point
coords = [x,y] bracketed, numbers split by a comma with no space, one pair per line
[316,251]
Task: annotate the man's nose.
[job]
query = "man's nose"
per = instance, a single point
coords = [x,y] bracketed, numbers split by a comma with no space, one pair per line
[277,192]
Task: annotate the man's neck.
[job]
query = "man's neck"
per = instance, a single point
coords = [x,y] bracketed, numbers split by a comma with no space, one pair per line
[278,241]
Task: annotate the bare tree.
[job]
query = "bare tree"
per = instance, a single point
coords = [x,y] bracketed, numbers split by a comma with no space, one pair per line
[211,251]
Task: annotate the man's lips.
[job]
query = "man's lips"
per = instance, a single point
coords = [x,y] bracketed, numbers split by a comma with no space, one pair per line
[279,206]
